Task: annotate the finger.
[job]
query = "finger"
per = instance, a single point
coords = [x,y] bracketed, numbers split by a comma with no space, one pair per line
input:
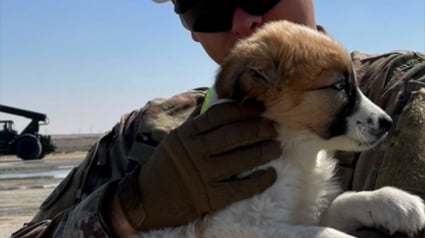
[223,113]
[232,136]
[242,189]
[242,160]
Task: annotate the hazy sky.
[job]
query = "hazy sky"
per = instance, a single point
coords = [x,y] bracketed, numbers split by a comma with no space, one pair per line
[86,62]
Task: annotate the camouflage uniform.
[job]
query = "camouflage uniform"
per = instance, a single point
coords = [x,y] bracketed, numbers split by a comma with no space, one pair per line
[394,81]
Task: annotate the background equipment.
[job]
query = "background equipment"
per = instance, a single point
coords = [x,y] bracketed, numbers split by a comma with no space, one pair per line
[28,144]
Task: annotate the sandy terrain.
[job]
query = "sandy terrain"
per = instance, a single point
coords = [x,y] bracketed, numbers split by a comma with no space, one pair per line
[25,184]
[18,206]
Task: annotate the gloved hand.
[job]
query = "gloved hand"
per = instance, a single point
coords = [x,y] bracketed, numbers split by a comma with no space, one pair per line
[193,170]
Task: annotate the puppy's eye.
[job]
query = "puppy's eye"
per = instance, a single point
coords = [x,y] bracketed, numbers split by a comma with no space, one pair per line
[259,75]
[340,85]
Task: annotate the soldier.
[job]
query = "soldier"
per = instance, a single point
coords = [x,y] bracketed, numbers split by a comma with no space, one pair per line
[150,171]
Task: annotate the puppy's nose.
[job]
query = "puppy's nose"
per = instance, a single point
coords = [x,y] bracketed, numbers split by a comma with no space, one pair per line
[385,123]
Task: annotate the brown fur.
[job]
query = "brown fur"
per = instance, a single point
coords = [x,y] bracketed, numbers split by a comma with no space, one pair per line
[288,68]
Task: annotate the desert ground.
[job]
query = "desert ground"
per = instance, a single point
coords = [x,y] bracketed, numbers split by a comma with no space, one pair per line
[25,184]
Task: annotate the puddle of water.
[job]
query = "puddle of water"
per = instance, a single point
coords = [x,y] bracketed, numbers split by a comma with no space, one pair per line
[59,173]
[24,187]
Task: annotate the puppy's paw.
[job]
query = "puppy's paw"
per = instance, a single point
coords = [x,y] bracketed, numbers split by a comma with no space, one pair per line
[395,210]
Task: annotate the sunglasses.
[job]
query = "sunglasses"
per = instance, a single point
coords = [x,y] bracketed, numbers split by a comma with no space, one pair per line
[217,15]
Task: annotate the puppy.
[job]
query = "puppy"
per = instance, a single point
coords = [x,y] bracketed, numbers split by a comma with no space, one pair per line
[306,84]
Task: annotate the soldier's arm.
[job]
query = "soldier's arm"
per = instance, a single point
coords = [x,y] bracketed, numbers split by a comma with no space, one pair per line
[158,180]
[75,205]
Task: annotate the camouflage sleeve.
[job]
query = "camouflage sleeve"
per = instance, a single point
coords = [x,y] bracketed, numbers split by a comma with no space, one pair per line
[396,82]
[80,197]
[87,219]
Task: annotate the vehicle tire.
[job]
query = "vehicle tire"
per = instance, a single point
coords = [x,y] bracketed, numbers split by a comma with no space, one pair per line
[28,147]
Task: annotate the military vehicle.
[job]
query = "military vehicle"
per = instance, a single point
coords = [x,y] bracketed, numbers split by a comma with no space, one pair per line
[28,144]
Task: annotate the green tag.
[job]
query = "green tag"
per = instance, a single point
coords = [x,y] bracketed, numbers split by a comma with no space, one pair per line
[206,100]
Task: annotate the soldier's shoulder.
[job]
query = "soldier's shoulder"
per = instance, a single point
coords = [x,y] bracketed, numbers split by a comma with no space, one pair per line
[391,65]
[360,58]
[174,106]
[161,115]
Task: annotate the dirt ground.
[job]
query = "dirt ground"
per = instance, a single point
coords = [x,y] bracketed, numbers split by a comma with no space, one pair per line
[25,184]
[18,207]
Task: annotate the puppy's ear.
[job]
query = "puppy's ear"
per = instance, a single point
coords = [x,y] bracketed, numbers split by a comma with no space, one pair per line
[227,80]
[240,81]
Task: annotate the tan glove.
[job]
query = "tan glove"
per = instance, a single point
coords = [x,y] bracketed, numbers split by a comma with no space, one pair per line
[193,170]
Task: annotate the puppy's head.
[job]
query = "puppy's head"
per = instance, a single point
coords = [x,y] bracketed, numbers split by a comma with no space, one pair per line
[305,82]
